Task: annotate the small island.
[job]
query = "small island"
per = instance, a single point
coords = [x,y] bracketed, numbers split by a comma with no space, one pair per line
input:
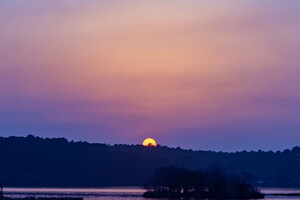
[173,182]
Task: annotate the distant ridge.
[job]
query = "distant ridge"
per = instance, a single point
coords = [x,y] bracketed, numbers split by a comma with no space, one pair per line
[56,162]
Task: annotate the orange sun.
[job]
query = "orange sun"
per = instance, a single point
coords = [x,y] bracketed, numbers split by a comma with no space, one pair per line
[149,142]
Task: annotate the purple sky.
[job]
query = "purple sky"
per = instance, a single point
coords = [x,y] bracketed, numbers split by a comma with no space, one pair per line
[218,75]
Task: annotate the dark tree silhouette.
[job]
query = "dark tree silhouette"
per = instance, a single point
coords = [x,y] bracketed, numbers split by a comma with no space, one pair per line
[173,182]
[43,162]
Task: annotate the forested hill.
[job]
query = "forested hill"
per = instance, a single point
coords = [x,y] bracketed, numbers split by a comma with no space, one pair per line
[36,162]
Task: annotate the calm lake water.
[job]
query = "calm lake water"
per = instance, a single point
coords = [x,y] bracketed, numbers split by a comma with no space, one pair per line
[114,193]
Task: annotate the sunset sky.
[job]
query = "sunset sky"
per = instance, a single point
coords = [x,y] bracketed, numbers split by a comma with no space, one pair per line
[210,75]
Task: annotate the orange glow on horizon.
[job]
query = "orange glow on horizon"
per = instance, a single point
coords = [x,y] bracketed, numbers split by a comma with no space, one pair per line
[149,142]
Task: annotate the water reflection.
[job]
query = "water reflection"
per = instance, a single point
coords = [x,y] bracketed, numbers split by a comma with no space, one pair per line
[114,193]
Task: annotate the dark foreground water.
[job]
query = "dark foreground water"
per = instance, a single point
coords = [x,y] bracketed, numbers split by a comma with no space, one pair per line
[114,193]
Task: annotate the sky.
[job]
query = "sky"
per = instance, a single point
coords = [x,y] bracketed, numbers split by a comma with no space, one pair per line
[203,75]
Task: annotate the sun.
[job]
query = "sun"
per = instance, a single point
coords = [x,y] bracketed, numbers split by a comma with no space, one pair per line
[149,142]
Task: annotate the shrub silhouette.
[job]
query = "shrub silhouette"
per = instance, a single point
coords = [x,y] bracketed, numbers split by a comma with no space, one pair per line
[173,182]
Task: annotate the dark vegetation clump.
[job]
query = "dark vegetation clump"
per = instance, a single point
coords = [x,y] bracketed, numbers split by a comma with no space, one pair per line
[173,182]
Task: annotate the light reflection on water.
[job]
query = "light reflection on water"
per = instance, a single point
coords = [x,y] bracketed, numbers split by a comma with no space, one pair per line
[114,193]
[111,193]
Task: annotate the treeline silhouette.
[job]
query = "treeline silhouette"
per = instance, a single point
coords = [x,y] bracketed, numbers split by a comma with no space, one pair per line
[43,162]
[174,182]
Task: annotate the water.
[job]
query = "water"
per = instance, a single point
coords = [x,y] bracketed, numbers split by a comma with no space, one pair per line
[115,193]
[112,193]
